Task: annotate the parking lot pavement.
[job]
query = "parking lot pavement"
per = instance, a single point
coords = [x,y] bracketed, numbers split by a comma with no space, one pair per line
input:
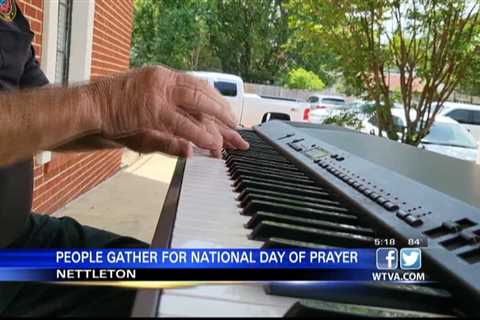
[129,203]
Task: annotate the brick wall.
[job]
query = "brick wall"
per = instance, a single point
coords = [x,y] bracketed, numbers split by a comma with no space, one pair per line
[69,175]
[111,36]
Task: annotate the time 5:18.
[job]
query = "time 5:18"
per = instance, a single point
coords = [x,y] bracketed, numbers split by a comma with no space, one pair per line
[385,242]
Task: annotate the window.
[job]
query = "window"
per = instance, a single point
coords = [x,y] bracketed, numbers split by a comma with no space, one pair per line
[462,116]
[312,99]
[228,89]
[450,134]
[476,117]
[333,101]
[63,41]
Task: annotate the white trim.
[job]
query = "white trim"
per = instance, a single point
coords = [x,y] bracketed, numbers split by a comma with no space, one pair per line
[49,39]
[49,56]
[81,42]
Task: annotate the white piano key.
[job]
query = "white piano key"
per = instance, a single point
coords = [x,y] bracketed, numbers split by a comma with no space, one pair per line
[208,217]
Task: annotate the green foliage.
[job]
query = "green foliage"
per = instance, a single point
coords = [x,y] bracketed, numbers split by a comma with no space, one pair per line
[253,39]
[303,79]
[172,33]
[349,119]
[435,42]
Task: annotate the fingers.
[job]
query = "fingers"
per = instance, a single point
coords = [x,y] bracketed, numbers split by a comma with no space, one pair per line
[194,95]
[149,141]
[193,130]
[232,139]
[213,129]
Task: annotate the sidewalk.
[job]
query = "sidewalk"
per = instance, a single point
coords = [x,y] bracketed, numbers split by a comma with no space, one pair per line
[129,203]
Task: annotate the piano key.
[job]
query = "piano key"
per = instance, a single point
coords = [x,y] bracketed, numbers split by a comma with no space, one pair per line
[284,195]
[250,197]
[258,205]
[268,229]
[184,305]
[247,174]
[254,150]
[265,169]
[243,183]
[271,164]
[262,216]
[259,157]
[278,243]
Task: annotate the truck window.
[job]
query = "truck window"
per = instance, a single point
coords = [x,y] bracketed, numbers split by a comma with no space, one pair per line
[462,116]
[476,117]
[227,89]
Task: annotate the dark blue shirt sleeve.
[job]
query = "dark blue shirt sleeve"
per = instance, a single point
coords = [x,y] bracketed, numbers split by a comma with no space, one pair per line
[32,75]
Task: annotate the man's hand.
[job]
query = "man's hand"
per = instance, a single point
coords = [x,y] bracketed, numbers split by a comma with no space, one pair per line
[158,109]
[147,110]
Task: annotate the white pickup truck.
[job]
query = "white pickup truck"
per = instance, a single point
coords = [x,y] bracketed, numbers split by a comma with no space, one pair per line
[250,108]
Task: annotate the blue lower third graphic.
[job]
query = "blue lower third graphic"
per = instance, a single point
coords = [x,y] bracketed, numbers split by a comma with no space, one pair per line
[387,258]
[410,259]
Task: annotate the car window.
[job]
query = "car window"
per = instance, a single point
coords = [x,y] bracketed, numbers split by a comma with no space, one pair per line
[450,134]
[373,121]
[476,117]
[312,99]
[398,122]
[460,115]
[337,102]
[228,89]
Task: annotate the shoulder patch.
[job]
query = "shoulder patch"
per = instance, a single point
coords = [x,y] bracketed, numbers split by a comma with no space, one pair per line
[8,10]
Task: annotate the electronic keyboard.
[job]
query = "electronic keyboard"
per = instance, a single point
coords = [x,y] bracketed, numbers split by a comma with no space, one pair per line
[314,186]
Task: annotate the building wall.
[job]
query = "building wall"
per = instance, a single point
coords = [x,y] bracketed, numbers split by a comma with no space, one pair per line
[67,176]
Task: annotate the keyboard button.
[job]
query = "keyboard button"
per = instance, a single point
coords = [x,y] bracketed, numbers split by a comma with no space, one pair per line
[381,200]
[367,192]
[374,196]
[402,214]
[413,221]
[390,206]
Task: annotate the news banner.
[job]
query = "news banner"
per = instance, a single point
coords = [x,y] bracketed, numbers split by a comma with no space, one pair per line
[381,264]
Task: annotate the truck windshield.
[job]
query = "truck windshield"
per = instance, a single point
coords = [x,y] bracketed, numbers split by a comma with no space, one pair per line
[450,134]
[227,89]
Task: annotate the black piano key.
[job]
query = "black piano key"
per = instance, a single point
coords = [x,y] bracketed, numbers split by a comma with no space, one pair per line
[271,164]
[257,154]
[280,188]
[282,243]
[268,229]
[283,218]
[286,195]
[265,169]
[258,157]
[304,204]
[298,185]
[248,174]
[254,150]
[257,205]
[265,166]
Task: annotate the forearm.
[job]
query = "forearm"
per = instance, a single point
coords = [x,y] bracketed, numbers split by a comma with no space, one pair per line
[43,119]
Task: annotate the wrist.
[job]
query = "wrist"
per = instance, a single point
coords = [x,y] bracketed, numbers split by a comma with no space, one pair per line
[95,95]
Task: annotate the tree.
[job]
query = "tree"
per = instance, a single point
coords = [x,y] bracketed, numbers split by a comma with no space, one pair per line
[428,40]
[303,79]
[248,37]
[470,84]
[171,32]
